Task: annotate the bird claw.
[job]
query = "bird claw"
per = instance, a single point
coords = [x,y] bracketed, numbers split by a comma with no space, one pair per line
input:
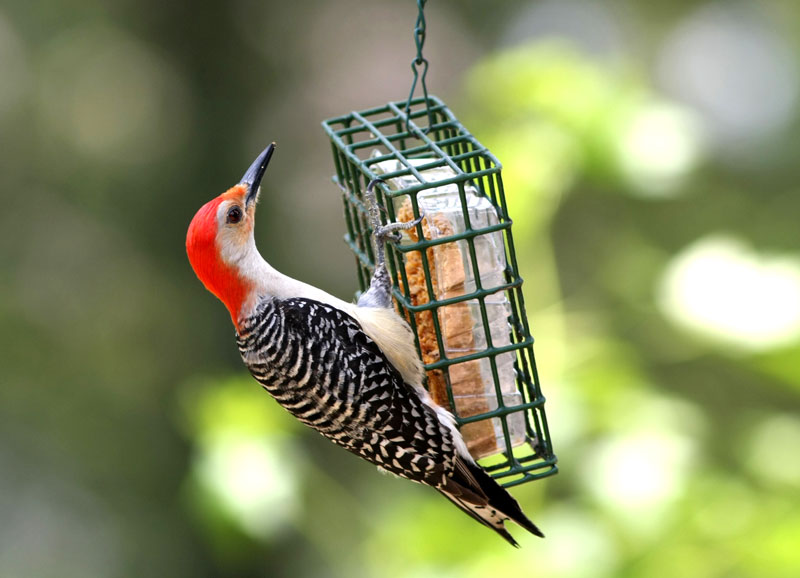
[379,293]
[392,231]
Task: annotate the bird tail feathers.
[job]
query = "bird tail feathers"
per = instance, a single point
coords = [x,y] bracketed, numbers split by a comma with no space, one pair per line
[477,494]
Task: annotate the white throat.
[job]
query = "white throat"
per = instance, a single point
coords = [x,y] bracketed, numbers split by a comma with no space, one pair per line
[269,282]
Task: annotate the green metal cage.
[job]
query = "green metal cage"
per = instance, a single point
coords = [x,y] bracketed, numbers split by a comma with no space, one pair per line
[417,156]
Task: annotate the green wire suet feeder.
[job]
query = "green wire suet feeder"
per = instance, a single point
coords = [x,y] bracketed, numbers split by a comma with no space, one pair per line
[455,274]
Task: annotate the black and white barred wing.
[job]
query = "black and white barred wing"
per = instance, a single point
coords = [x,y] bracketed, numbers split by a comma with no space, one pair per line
[316,361]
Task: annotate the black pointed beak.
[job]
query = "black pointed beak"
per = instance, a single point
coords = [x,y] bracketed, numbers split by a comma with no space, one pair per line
[252,178]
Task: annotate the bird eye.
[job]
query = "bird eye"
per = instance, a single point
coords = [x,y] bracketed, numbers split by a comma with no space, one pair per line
[234,215]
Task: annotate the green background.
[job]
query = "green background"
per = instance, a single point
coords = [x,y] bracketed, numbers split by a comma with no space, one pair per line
[651,166]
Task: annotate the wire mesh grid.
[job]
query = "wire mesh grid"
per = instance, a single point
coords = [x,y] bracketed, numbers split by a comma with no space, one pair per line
[430,140]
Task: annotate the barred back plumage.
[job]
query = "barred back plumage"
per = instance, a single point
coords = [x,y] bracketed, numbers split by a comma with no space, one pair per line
[316,361]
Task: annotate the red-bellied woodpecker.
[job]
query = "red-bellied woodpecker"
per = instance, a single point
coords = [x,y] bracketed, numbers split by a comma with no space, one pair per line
[350,371]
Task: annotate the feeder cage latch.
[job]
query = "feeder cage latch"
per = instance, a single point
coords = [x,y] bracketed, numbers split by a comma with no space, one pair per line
[455,274]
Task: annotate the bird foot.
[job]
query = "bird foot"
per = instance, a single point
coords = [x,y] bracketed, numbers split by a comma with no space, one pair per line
[391,231]
[380,232]
[379,293]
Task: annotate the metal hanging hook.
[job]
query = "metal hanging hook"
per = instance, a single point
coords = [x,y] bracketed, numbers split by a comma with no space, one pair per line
[419,40]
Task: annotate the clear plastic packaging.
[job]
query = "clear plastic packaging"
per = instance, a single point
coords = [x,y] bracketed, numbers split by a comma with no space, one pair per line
[462,324]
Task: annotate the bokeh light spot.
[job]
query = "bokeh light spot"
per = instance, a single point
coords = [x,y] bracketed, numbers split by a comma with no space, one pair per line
[658,146]
[577,545]
[253,480]
[720,288]
[639,471]
[729,63]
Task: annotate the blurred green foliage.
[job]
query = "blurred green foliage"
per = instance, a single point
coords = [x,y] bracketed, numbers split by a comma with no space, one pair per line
[651,166]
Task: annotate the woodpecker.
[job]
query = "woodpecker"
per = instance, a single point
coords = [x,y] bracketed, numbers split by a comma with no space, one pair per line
[348,370]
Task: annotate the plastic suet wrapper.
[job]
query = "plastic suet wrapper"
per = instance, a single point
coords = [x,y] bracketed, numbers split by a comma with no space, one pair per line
[463,327]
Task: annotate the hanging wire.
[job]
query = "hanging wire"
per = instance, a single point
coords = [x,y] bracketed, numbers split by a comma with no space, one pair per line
[419,40]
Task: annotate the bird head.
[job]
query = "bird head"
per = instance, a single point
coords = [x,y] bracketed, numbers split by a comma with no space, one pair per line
[220,242]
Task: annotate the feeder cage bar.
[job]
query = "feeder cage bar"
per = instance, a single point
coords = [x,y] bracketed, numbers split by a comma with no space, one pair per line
[455,274]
